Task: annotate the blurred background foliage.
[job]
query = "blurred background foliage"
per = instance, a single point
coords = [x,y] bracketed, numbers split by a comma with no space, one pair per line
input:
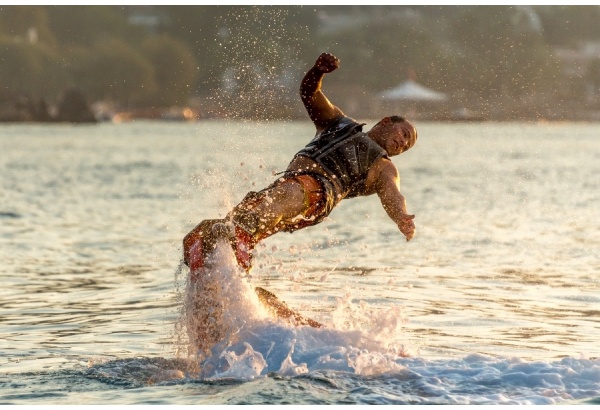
[164,55]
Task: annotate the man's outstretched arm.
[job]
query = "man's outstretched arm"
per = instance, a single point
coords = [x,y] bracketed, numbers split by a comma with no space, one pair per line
[388,190]
[320,110]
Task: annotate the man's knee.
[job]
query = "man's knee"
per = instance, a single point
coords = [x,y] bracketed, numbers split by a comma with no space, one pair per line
[245,218]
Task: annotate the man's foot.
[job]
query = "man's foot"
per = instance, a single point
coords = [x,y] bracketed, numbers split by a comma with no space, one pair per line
[241,242]
[202,240]
[243,245]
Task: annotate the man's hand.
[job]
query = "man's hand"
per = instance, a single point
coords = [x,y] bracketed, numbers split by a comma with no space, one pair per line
[327,63]
[407,226]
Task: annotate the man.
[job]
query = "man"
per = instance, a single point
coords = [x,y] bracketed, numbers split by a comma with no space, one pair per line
[340,162]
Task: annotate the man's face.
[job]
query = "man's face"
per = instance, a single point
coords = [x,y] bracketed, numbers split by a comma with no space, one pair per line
[401,136]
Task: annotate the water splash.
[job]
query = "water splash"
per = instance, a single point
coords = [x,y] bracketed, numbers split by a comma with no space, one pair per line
[261,63]
[289,368]
[245,366]
[221,304]
[383,325]
[231,335]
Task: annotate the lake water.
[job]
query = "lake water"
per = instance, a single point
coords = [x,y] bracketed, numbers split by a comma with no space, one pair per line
[496,300]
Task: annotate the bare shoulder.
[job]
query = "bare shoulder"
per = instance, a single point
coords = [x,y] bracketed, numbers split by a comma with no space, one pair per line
[382,174]
[385,168]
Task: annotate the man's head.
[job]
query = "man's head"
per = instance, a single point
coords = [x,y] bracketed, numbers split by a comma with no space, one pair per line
[395,134]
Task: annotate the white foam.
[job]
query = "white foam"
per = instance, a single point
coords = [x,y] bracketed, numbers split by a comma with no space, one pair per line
[227,325]
[289,368]
[364,341]
[245,366]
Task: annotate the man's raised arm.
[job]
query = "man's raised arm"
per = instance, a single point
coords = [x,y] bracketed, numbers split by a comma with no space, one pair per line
[320,110]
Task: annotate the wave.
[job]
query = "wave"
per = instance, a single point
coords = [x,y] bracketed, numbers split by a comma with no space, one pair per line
[474,379]
[232,339]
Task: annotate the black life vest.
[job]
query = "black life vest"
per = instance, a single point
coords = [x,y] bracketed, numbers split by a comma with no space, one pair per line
[346,153]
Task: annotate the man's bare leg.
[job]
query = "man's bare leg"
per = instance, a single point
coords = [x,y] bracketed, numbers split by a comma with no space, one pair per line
[281,202]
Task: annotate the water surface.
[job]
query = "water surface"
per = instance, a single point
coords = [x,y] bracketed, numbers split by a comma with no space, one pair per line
[495,301]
